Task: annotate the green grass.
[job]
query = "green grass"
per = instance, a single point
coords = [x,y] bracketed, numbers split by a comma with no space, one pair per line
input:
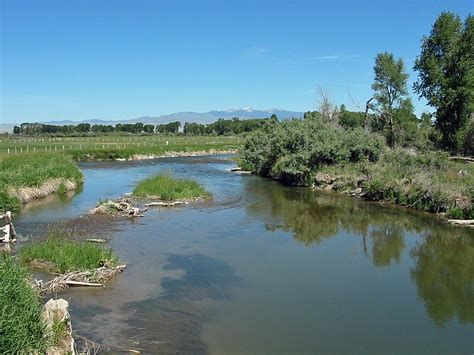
[167,188]
[67,255]
[429,182]
[114,146]
[32,170]
[22,329]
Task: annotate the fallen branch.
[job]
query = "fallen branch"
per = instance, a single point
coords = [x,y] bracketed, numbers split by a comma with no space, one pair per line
[462,222]
[468,159]
[79,283]
[93,240]
[164,204]
[93,278]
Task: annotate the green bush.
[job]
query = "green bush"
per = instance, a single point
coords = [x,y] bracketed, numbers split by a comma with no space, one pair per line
[292,151]
[22,329]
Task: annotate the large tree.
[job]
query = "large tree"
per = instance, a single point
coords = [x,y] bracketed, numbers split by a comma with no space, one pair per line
[446,76]
[390,92]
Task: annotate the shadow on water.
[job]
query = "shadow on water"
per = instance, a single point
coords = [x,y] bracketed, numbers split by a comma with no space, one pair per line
[175,316]
[443,258]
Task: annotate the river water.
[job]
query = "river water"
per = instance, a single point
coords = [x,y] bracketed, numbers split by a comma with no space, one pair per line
[265,268]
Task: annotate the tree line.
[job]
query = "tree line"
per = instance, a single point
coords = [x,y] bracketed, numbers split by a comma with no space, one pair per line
[220,127]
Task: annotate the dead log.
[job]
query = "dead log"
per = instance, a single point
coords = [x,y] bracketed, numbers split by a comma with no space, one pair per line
[93,240]
[79,283]
[466,159]
[462,222]
[164,204]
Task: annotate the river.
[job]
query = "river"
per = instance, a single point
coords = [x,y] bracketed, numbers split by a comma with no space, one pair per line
[265,268]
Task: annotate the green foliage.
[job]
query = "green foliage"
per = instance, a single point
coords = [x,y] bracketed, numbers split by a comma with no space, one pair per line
[67,255]
[32,171]
[390,92]
[423,181]
[446,76]
[167,188]
[350,119]
[22,329]
[291,151]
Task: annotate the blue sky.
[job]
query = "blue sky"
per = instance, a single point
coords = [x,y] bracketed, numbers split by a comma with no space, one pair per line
[124,59]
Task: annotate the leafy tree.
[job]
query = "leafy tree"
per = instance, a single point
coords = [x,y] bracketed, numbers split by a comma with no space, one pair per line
[446,76]
[149,128]
[83,127]
[16,130]
[390,92]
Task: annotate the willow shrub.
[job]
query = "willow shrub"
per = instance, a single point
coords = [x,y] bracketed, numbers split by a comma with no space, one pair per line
[292,151]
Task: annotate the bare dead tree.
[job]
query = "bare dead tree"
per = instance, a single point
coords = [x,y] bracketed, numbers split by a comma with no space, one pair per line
[368,106]
[354,101]
[327,109]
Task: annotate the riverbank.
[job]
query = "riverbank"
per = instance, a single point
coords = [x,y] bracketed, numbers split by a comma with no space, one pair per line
[426,182]
[28,177]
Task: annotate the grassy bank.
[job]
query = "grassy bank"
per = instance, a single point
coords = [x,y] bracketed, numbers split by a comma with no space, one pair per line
[64,255]
[33,171]
[167,188]
[22,329]
[429,182]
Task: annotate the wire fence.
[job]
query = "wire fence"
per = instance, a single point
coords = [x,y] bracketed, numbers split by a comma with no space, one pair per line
[57,144]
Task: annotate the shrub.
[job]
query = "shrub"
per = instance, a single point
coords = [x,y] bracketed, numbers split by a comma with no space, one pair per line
[292,151]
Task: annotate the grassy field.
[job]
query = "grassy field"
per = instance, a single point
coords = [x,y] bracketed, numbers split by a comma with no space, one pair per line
[32,170]
[22,329]
[167,188]
[66,255]
[114,146]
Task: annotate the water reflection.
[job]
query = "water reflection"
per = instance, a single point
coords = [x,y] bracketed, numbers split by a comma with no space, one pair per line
[176,315]
[444,276]
[443,262]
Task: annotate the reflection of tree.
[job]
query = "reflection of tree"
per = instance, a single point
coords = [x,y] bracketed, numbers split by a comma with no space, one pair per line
[312,217]
[444,262]
[444,275]
[388,244]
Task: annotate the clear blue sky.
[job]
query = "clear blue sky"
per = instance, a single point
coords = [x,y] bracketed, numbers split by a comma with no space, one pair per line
[123,59]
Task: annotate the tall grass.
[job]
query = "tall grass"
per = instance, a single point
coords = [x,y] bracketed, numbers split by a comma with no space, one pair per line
[67,255]
[33,171]
[22,329]
[167,188]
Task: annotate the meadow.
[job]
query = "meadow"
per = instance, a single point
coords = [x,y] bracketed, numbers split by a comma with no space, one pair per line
[114,146]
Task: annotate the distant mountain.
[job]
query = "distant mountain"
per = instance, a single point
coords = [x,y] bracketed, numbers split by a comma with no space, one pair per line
[197,117]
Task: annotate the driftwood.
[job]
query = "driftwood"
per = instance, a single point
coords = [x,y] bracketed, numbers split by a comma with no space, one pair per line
[93,278]
[164,204]
[94,240]
[462,222]
[467,159]
[79,283]
[112,207]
